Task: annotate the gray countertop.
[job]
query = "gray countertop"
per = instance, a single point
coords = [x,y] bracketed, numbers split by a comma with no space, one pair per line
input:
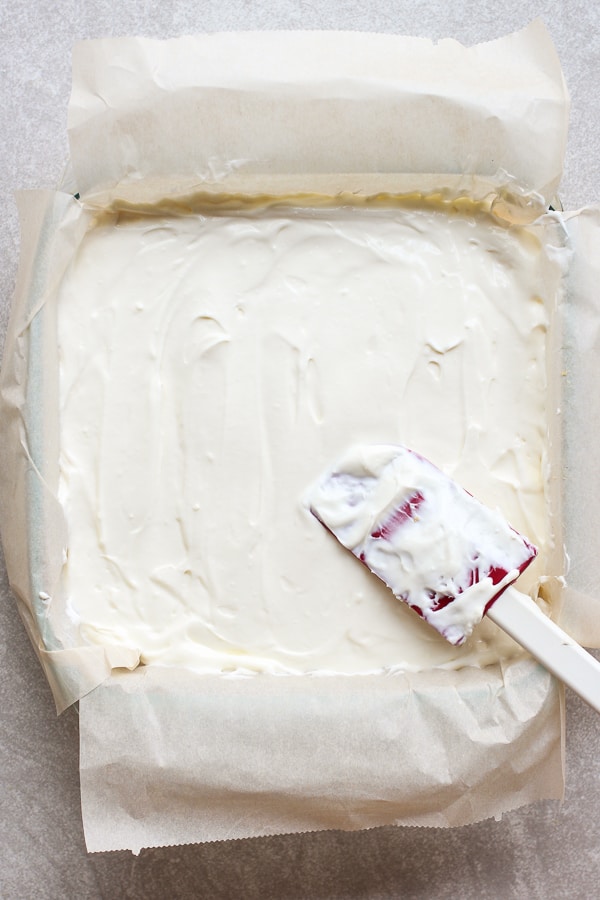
[543,851]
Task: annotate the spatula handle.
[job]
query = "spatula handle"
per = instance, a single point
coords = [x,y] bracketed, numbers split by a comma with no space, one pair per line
[519,616]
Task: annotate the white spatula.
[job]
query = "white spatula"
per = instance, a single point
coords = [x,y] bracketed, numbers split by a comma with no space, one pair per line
[443,553]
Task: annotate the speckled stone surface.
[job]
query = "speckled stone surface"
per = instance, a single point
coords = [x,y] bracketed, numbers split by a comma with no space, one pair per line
[547,851]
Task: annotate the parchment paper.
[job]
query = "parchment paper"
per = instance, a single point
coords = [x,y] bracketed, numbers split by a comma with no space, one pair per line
[169,757]
[33,528]
[316,103]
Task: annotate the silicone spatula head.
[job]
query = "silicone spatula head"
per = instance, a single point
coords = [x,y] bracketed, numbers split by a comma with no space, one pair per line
[434,545]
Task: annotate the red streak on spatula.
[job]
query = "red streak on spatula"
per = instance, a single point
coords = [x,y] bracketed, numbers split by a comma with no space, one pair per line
[445,554]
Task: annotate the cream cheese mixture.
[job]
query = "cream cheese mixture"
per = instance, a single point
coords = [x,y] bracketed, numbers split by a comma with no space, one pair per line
[212,366]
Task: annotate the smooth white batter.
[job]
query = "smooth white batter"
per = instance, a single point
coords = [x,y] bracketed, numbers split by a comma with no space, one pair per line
[212,367]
